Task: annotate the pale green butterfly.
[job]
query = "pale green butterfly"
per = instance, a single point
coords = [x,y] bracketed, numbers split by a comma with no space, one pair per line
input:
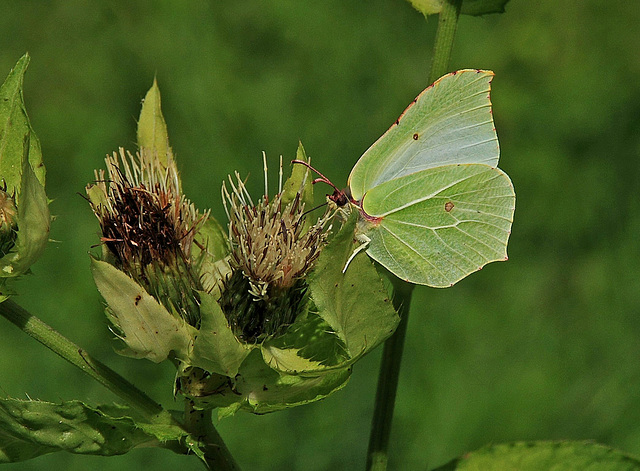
[433,205]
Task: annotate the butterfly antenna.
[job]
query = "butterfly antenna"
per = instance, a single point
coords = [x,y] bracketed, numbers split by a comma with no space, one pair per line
[322,178]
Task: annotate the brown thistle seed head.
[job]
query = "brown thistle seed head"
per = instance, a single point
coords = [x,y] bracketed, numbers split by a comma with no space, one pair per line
[271,253]
[148,225]
[143,216]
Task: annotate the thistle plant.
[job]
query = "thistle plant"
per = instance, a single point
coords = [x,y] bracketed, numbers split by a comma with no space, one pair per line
[273,311]
[245,316]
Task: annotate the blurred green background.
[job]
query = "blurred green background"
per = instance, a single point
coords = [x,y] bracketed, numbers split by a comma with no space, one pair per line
[546,346]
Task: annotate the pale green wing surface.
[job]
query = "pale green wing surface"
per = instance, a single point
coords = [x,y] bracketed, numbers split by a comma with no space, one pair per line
[448,123]
[437,226]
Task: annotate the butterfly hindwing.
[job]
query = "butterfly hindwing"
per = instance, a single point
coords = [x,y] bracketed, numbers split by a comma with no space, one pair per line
[436,226]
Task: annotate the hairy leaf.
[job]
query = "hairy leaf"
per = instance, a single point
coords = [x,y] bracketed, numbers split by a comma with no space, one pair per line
[147,328]
[216,349]
[355,304]
[33,428]
[260,389]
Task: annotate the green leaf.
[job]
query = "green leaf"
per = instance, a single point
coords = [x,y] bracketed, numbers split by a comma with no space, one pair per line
[33,428]
[299,177]
[216,348]
[536,456]
[33,222]
[146,327]
[469,7]
[14,129]
[355,304]
[308,346]
[152,128]
[260,389]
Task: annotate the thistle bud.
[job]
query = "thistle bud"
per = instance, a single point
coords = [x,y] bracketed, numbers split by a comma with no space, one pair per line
[24,211]
[271,254]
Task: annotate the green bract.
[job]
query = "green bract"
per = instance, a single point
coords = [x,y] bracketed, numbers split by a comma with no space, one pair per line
[259,319]
[24,211]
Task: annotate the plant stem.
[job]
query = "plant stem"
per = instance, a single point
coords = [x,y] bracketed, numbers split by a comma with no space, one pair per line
[75,355]
[216,454]
[197,423]
[388,380]
[447,25]
[377,454]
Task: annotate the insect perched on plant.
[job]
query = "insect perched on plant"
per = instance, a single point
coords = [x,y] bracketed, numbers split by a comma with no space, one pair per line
[433,205]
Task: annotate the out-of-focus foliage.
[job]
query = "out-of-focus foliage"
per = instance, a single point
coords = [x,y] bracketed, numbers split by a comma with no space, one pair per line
[542,347]
[537,456]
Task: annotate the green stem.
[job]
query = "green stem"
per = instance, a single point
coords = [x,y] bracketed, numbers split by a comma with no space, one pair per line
[197,423]
[75,355]
[388,380]
[447,25]
[216,454]
[377,455]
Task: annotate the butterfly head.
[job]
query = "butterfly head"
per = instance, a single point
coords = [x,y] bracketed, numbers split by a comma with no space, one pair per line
[340,197]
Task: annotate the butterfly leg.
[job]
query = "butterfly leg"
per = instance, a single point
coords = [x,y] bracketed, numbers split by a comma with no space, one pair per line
[364,243]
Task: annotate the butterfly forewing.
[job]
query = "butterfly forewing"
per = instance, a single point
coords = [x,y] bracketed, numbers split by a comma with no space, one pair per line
[449,122]
[438,225]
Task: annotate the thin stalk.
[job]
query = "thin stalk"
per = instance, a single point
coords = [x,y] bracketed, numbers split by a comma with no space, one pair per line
[447,25]
[77,356]
[216,454]
[377,454]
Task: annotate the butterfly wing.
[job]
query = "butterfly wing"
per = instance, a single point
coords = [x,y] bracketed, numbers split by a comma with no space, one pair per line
[448,123]
[436,226]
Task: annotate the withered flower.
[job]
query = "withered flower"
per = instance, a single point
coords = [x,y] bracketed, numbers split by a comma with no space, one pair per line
[148,227]
[271,252]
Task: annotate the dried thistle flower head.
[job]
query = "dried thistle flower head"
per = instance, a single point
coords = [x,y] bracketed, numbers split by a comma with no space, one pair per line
[148,226]
[271,252]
